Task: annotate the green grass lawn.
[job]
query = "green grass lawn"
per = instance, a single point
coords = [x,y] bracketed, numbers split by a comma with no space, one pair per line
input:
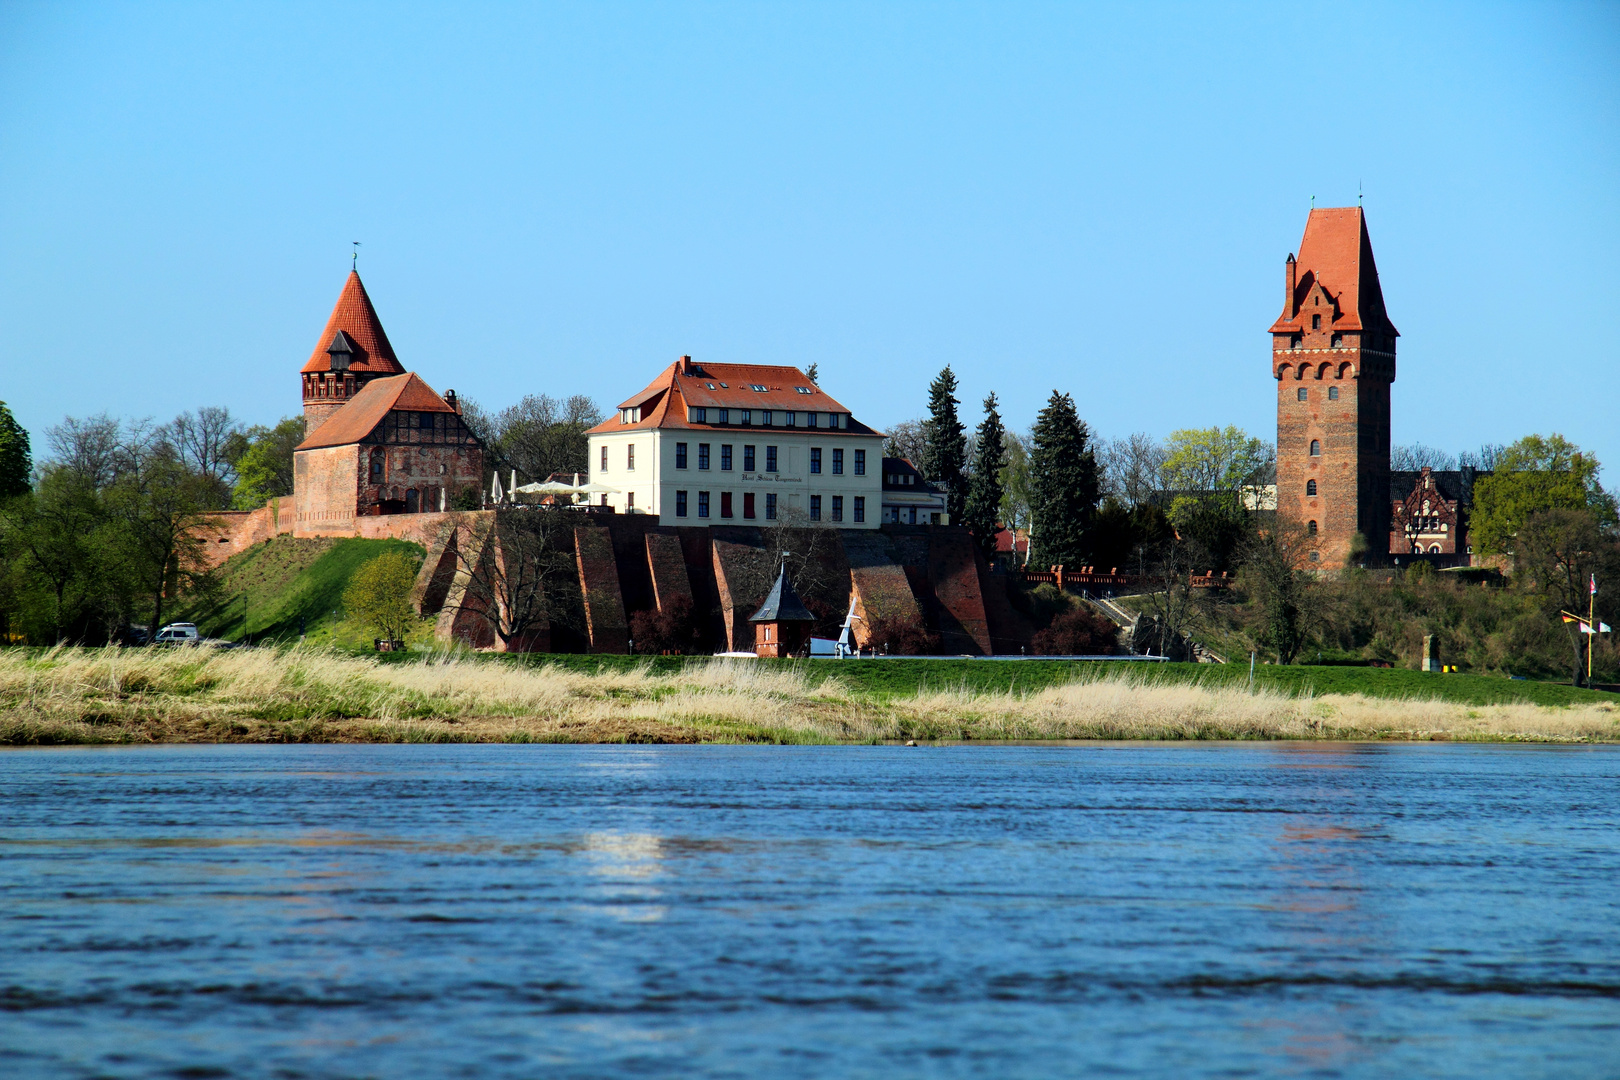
[882,678]
[290,585]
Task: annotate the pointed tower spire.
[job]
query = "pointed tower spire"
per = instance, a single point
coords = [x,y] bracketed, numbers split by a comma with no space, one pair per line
[351,351]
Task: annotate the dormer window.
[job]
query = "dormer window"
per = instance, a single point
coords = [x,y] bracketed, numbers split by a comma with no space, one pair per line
[804,389]
[1316,322]
[340,352]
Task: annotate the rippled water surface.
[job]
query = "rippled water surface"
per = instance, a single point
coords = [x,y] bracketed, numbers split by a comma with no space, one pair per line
[1218,910]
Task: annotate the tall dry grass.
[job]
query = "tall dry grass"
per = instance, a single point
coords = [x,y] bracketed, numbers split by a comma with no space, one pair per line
[123,695]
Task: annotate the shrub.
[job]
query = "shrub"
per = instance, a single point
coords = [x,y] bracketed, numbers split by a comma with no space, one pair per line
[902,637]
[1077,633]
[675,629]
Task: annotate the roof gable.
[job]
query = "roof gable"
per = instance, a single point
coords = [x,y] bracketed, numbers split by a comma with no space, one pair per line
[1336,254]
[783,604]
[360,417]
[356,319]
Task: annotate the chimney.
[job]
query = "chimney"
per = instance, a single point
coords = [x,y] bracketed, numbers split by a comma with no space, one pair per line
[1292,280]
[450,400]
[686,365]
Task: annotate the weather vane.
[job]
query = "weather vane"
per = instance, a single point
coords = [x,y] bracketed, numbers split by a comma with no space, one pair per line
[1358,192]
[354,259]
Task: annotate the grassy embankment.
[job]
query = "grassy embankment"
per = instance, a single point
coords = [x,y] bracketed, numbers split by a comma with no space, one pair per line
[287,586]
[203,695]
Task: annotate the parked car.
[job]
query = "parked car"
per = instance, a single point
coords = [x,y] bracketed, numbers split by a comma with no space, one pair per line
[178,633]
[131,635]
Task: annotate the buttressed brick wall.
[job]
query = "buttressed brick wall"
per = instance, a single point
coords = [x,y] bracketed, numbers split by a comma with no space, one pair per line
[1333,356]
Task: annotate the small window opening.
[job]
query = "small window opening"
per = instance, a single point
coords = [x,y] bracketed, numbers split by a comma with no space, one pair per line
[1316,448]
[1310,489]
[1333,393]
[1303,393]
[1311,528]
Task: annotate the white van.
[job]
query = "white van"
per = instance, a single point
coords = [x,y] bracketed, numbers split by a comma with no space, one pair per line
[178,633]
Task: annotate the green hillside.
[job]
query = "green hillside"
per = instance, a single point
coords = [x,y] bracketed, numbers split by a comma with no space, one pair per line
[286,586]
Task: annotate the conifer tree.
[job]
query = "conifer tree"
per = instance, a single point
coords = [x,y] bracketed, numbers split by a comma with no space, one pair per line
[1066,484]
[15,460]
[985,488]
[945,451]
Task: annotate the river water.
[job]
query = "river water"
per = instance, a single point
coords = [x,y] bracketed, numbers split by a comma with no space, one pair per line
[1108,910]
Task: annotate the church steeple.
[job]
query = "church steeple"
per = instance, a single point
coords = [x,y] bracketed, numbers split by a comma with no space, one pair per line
[351,351]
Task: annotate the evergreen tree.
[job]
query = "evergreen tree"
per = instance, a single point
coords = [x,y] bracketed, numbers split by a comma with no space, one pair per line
[1066,484]
[945,452]
[985,489]
[16,461]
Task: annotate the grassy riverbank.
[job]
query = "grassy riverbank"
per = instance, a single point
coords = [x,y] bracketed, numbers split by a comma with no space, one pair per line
[67,696]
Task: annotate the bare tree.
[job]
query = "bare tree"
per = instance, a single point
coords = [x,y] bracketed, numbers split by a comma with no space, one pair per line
[1483,459]
[1131,467]
[1172,608]
[1415,456]
[520,571]
[88,447]
[907,439]
[207,442]
[538,436]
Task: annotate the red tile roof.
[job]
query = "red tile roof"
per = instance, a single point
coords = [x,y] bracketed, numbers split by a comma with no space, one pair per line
[665,400]
[1337,253]
[354,315]
[367,408]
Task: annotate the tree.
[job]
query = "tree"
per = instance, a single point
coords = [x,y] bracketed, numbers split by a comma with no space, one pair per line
[1077,632]
[1534,475]
[1564,550]
[264,470]
[52,536]
[1415,457]
[813,373]
[208,442]
[907,440]
[1017,485]
[1065,484]
[1216,459]
[538,436]
[674,628]
[520,571]
[1131,468]
[16,460]
[379,594]
[944,448]
[1275,563]
[1172,608]
[983,510]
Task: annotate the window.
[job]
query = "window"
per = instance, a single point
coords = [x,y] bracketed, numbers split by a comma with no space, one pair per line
[788,418]
[698,415]
[725,416]
[804,389]
[604,459]
[1310,487]
[725,457]
[1311,528]
[680,455]
[703,455]
[725,504]
[1316,448]
[629,500]
[770,506]
[377,466]
[1303,393]
[703,504]
[1316,556]
[1333,393]
[765,417]
[860,463]
[815,508]
[838,508]
[1338,340]
[838,461]
[815,459]
[748,459]
[770,459]
[630,457]
[810,419]
[860,508]
[1316,322]
[680,504]
[913,520]
[748,504]
[424,421]
[759,388]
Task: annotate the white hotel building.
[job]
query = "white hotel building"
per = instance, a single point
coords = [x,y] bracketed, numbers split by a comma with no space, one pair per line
[738,444]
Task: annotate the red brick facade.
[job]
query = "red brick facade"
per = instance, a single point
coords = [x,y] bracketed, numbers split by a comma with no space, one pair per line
[1333,356]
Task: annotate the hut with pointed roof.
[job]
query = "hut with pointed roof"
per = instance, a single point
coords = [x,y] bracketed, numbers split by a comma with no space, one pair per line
[782,624]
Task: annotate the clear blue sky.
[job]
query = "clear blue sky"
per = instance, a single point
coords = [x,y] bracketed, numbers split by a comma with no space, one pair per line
[563,199]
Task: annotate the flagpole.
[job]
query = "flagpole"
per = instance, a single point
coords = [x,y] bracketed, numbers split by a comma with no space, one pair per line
[1591,622]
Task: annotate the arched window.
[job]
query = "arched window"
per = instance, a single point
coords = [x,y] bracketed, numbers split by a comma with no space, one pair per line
[1311,528]
[413,502]
[1316,448]
[377,465]
[1310,487]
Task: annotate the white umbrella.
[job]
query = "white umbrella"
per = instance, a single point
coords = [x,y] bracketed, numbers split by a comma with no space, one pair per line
[550,487]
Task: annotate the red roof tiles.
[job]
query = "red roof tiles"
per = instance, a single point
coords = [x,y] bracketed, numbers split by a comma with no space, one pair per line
[354,315]
[367,408]
[665,400]
[1337,254]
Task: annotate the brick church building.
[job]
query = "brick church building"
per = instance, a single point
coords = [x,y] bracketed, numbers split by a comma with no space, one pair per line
[377,439]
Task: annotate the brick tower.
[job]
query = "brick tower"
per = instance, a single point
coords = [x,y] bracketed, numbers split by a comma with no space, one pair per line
[352,351]
[1333,355]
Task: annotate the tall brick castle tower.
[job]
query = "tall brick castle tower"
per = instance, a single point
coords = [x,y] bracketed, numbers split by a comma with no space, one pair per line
[351,352]
[1333,355]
